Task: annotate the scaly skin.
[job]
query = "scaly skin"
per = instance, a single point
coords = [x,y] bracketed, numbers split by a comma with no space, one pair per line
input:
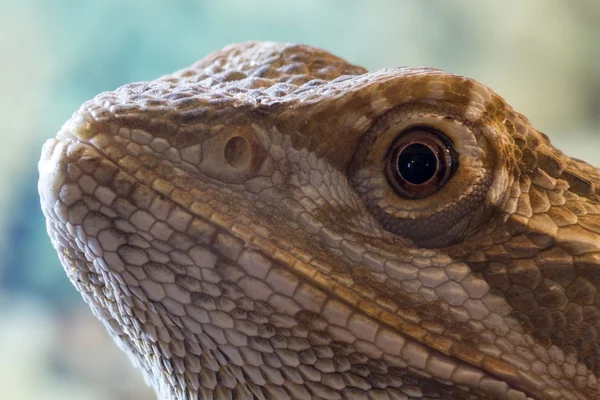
[232,226]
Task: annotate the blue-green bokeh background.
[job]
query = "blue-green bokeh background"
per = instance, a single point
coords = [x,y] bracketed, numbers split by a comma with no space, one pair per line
[543,56]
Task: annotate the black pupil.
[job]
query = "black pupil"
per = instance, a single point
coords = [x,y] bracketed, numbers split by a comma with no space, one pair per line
[417,163]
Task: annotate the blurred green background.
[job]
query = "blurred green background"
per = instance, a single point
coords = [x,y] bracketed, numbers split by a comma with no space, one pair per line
[543,56]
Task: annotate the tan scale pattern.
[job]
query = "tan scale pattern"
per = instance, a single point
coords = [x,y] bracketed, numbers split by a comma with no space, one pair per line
[232,226]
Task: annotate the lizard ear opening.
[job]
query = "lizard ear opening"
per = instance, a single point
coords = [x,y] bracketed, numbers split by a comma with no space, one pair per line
[426,175]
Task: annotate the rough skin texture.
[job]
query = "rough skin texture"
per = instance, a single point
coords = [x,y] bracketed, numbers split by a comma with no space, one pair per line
[232,226]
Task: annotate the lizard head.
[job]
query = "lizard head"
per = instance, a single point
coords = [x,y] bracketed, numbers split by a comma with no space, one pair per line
[276,222]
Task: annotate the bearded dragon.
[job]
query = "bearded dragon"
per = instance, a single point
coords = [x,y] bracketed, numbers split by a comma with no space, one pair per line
[276,223]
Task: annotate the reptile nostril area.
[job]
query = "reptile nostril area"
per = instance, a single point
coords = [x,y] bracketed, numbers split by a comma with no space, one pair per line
[232,156]
[237,152]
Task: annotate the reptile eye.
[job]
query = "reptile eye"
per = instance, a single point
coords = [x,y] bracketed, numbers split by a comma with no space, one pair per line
[419,163]
[425,173]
